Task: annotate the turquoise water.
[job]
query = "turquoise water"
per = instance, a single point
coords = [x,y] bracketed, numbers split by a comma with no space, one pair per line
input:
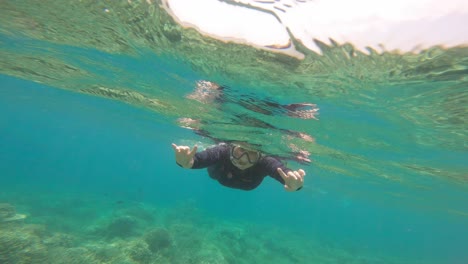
[85,151]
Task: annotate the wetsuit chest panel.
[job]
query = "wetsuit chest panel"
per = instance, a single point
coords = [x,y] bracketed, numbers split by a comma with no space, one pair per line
[229,175]
[217,161]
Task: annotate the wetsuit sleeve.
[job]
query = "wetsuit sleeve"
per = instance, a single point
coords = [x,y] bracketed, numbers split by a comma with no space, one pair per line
[271,165]
[209,156]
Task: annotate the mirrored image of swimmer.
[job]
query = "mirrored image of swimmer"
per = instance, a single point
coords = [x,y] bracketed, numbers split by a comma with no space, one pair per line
[213,94]
[208,92]
[238,165]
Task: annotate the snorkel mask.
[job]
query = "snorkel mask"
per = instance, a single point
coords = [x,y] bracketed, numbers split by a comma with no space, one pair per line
[238,152]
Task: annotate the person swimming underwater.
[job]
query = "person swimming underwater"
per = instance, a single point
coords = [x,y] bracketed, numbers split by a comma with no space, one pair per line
[239,166]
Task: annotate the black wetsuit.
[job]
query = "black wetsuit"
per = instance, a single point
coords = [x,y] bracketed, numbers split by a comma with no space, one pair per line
[217,160]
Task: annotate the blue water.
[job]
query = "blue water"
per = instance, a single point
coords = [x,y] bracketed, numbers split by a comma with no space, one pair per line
[58,141]
[94,172]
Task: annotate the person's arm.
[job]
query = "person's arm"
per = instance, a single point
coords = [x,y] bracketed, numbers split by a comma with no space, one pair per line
[209,156]
[271,165]
[292,180]
[190,159]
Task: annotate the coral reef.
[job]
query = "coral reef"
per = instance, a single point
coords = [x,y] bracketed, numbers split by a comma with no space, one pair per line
[21,245]
[124,226]
[8,213]
[76,255]
[138,251]
[60,240]
[140,212]
[158,239]
[141,234]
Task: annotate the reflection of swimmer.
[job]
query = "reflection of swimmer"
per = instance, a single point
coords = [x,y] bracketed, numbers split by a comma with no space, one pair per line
[211,93]
[8,213]
[238,166]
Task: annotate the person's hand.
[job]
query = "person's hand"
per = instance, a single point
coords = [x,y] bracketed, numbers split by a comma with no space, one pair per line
[184,156]
[293,180]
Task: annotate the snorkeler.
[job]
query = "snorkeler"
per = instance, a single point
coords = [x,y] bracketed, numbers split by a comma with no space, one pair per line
[238,166]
